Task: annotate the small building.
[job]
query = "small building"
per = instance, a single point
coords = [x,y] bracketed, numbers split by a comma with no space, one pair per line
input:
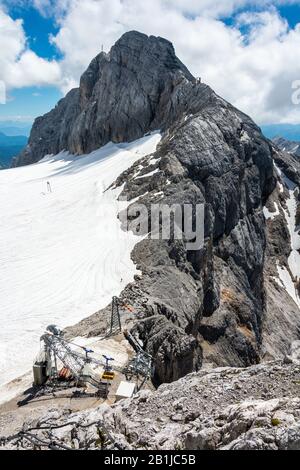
[125,390]
[39,373]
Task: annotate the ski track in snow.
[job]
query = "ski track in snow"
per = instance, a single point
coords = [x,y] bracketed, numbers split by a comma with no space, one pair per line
[63,254]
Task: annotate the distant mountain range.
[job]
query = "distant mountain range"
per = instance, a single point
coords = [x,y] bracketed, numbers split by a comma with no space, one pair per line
[15,128]
[15,131]
[10,146]
[287,131]
[289,146]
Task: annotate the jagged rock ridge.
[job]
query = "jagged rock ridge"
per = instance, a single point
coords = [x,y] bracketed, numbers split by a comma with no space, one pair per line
[139,86]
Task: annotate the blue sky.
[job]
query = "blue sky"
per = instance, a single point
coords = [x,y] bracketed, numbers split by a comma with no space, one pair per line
[290,12]
[219,41]
[29,102]
[24,104]
[38,29]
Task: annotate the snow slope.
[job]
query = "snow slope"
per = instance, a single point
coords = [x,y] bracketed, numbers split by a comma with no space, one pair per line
[294,258]
[62,253]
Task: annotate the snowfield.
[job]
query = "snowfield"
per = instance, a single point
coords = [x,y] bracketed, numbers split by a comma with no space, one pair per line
[63,254]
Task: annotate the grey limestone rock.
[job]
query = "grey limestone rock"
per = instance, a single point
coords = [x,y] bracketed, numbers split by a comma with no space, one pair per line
[257,408]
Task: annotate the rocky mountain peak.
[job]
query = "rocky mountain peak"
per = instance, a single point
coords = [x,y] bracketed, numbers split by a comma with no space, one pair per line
[137,51]
[139,86]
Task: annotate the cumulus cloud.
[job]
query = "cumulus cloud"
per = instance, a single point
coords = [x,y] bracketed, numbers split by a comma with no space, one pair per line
[31,70]
[252,63]
[19,66]
[209,8]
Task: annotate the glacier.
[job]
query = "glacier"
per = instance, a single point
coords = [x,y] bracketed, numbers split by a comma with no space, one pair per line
[63,254]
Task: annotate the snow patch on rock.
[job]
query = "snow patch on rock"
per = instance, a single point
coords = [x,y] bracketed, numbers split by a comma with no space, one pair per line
[271,215]
[287,282]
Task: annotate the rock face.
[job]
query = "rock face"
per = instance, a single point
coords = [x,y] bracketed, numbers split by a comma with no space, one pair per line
[211,305]
[282,320]
[227,408]
[211,300]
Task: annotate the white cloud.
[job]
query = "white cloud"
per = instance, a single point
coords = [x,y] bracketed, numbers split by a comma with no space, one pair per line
[19,66]
[49,7]
[44,6]
[253,70]
[12,38]
[31,70]
[252,63]
[208,8]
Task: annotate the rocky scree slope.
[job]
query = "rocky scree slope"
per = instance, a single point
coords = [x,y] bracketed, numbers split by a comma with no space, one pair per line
[257,408]
[191,307]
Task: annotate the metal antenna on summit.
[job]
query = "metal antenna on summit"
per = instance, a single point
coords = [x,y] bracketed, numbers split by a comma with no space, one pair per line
[115,323]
